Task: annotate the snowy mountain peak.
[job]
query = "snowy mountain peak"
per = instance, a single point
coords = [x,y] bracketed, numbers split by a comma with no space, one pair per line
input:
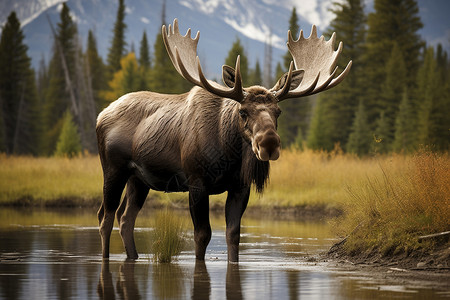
[26,10]
[263,20]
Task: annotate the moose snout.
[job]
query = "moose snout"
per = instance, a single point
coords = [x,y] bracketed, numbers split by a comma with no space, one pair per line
[266,145]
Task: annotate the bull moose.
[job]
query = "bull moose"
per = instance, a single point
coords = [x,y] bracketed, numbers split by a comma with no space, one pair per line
[212,139]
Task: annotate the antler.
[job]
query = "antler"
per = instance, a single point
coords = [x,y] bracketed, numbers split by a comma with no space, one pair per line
[182,51]
[317,58]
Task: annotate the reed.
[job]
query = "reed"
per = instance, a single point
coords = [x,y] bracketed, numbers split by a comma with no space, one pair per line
[168,236]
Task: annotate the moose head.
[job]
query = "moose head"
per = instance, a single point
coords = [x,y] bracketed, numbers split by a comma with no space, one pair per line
[312,71]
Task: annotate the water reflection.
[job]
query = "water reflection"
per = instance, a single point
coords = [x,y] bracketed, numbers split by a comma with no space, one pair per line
[233,282]
[57,260]
[105,288]
[168,282]
[202,281]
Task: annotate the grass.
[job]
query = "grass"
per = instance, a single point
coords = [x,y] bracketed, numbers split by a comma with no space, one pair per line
[409,197]
[56,181]
[297,179]
[393,198]
[302,178]
[167,237]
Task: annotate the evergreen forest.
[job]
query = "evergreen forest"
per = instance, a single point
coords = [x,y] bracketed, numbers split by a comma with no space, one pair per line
[395,99]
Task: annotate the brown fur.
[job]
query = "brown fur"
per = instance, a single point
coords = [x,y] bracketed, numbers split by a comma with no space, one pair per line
[195,142]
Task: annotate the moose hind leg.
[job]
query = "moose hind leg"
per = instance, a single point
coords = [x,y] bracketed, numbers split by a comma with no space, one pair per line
[112,191]
[234,209]
[199,208]
[134,200]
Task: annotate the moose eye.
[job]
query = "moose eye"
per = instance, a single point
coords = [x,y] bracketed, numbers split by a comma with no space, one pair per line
[243,114]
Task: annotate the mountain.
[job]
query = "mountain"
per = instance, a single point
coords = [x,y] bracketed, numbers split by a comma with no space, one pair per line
[220,22]
[252,21]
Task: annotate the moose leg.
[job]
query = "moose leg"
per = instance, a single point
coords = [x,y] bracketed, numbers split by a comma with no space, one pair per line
[199,208]
[112,191]
[234,209]
[133,202]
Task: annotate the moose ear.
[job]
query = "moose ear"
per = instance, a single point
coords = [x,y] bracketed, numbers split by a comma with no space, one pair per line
[297,77]
[228,76]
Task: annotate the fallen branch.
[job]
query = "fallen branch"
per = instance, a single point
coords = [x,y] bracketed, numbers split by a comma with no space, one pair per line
[433,236]
[398,270]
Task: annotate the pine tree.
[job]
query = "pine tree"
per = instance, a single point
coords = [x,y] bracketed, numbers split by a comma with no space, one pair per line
[391,95]
[69,143]
[427,97]
[383,135]
[42,82]
[439,133]
[118,44]
[18,94]
[340,104]
[60,94]
[144,63]
[256,75]
[405,127]
[392,22]
[279,70]
[299,141]
[144,53]
[294,120]
[96,71]
[295,29]
[164,77]
[42,78]
[317,137]
[360,139]
[230,60]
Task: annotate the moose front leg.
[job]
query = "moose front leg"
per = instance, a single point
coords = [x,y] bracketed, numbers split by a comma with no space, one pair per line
[234,209]
[199,208]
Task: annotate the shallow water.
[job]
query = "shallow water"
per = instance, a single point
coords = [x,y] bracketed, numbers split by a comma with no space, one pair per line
[57,255]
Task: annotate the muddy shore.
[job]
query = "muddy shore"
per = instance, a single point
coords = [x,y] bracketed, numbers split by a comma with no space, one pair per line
[425,268]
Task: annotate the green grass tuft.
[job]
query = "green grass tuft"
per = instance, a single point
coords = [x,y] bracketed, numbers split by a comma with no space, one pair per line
[168,237]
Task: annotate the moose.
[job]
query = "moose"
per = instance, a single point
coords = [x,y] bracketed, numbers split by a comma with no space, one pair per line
[212,139]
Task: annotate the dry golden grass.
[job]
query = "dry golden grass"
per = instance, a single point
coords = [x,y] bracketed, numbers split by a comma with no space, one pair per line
[311,178]
[409,198]
[49,179]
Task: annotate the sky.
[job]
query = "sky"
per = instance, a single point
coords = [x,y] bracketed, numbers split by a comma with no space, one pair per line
[436,19]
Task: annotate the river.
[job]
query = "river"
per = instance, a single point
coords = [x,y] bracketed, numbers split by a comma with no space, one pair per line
[49,254]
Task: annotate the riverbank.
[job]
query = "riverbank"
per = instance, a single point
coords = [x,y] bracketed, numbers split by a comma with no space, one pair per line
[381,203]
[426,268]
[435,258]
[297,179]
[311,180]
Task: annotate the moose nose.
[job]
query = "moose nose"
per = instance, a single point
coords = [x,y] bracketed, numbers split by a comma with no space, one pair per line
[266,145]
